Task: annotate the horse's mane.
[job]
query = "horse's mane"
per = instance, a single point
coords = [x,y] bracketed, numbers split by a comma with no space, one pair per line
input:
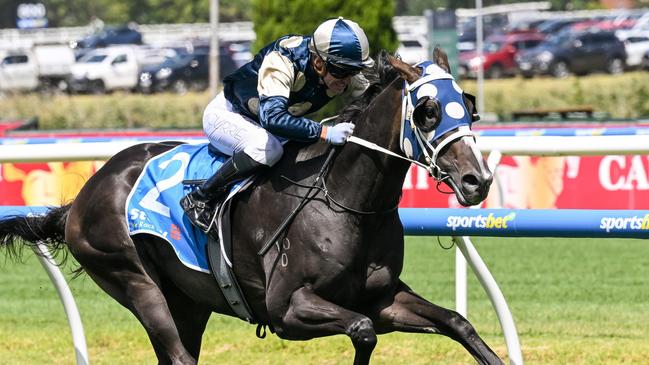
[379,76]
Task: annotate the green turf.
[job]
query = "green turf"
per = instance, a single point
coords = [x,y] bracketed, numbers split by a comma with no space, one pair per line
[575,301]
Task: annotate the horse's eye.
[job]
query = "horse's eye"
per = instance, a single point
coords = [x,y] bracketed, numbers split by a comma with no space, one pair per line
[427,114]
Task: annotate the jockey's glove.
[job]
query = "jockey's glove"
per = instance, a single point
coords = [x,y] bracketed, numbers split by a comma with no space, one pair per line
[339,133]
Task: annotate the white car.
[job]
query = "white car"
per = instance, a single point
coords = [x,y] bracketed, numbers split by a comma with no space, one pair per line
[39,67]
[106,69]
[412,48]
[636,47]
[18,71]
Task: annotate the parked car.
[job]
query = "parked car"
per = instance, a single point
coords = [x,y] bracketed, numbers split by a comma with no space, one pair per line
[554,26]
[578,53]
[636,47]
[184,72]
[498,55]
[644,64]
[18,71]
[412,48]
[105,69]
[641,26]
[116,35]
[42,67]
[54,66]
[241,53]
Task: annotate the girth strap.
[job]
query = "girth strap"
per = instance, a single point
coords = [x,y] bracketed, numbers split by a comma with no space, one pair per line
[224,274]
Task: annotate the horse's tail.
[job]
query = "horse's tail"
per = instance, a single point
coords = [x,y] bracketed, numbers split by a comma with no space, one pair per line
[48,229]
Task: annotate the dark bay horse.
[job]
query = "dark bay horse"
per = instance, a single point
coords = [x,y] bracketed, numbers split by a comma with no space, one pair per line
[339,271]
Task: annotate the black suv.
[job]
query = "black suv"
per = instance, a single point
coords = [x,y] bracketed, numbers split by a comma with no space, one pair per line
[106,37]
[184,72]
[579,53]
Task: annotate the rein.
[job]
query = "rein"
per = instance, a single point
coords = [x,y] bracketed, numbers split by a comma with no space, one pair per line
[330,198]
[433,169]
[307,197]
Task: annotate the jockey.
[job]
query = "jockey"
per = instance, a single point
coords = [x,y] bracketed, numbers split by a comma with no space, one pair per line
[263,104]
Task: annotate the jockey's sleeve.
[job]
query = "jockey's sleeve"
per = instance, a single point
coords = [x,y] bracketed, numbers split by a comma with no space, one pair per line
[276,76]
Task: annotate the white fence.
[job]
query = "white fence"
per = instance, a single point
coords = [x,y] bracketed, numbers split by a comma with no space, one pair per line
[519,145]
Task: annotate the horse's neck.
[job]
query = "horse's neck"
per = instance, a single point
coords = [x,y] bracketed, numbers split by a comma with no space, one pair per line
[369,179]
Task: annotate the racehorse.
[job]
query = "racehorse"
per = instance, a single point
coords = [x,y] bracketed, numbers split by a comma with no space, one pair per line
[341,273]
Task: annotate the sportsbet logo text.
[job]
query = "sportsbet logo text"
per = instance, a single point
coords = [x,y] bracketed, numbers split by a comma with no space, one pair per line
[634,222]
[490,221]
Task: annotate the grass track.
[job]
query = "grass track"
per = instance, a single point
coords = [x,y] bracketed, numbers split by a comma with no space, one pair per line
[574,302]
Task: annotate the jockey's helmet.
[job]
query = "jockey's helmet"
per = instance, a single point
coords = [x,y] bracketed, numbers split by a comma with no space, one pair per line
[342,43]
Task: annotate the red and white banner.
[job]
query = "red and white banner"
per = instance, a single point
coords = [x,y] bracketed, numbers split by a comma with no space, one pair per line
[573,182]
[522,182]
[592,182]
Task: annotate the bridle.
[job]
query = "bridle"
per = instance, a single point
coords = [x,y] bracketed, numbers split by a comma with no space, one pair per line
[429,151]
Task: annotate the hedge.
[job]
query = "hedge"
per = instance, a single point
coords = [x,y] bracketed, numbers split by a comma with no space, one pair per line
[622,96]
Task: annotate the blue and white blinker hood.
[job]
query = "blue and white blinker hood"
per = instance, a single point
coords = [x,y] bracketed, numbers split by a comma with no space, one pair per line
[434,83]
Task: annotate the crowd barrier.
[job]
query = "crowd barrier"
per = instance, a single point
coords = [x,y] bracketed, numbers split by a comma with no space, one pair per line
[526,223]
[459,223]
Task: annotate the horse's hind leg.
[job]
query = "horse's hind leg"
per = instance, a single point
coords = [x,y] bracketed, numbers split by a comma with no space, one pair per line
[117,269]
[310,316]
[408,312]
[190,318]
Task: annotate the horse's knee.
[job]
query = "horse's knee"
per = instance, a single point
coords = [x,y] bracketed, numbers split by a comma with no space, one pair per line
[362,334]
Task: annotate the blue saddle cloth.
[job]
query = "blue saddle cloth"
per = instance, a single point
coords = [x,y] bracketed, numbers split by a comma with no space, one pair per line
[153,205]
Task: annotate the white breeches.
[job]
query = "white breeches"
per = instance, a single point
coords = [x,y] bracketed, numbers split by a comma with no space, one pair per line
[231,132]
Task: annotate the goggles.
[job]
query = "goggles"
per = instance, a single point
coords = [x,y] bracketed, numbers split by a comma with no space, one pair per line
[339,72]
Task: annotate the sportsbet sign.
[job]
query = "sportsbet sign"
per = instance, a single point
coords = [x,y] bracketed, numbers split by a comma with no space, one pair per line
[491,221]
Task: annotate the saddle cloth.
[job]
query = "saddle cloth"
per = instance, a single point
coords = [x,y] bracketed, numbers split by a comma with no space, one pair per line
[153,204]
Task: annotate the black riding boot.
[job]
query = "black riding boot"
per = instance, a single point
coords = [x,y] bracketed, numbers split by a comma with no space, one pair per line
[196,203]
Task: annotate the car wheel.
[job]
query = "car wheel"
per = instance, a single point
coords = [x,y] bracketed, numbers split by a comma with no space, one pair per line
[645,62]
[495,72]
[180,87]
[560,70]
[527,75]
[615,66]
[97,87]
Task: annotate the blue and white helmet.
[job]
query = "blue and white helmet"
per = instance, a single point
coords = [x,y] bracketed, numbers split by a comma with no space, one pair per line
[342,43]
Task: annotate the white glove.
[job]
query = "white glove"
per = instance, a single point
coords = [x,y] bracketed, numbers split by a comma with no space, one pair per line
[339,133]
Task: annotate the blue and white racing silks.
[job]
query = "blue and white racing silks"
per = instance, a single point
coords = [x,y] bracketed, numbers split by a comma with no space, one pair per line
[152,205]
[279,86]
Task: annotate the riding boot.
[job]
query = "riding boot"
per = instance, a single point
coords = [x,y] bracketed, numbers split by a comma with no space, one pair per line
[197,203]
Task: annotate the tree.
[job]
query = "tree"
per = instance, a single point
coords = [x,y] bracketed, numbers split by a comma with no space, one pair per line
[275,18]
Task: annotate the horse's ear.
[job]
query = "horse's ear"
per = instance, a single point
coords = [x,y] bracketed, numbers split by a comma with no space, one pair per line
[441,59]
[408,73]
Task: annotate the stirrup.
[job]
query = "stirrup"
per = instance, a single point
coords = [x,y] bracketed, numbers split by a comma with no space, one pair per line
[198,212]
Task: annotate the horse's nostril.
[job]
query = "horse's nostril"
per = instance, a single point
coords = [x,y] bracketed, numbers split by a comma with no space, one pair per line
[470,180]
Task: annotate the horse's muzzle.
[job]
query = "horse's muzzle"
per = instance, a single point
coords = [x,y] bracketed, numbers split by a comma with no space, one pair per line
[474,188]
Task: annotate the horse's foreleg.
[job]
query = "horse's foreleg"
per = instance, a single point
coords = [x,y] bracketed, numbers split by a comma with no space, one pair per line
[310,316]
[408,312]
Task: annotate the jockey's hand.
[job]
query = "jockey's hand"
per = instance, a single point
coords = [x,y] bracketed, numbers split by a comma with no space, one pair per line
[339,133]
